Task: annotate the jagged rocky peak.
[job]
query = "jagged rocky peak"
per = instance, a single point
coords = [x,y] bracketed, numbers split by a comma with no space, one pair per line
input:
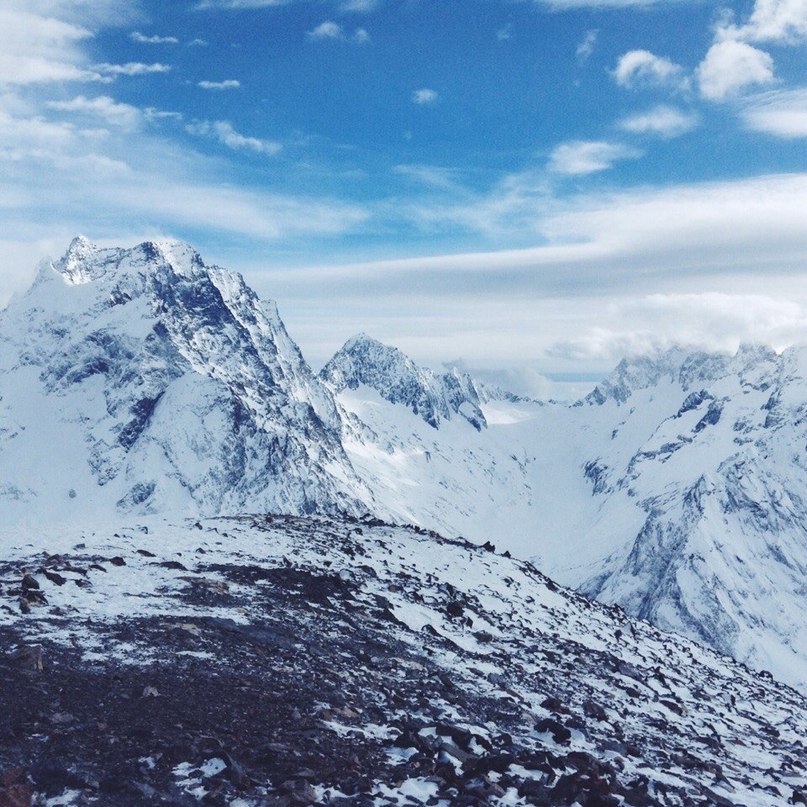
[84,262]
[755,365]
[183,387]
[435,397]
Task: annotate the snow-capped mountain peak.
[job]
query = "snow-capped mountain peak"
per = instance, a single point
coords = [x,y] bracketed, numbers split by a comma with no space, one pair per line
[687,369]
[435,397]
[173,385]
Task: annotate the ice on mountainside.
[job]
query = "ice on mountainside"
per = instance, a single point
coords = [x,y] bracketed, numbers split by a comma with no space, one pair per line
[675,489]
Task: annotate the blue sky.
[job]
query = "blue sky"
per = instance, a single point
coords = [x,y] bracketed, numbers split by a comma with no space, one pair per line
[522,184]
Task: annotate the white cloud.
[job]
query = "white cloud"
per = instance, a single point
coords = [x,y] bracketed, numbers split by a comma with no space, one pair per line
[103,107]
[152,113]
[239,4]
[580,157]
[327,30]
[706,320]
[358,6]
[433,176]
[782,21]
[132,69]
[745,239]
[640,68]
[730,66]
[227,84]
[224,132]
[334,31]
[586,46]
[90,13]
[73,162]
[562,5]
[345,6]
[36,49]
[505,32]
[662,120]
[424,96]
[136,36]
[782,113]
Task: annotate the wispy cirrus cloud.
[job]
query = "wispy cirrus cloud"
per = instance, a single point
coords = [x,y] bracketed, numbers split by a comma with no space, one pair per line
[155,39]
[579,157]
[239,4]
[36,49]
[224,132]
[564,5]
[662,120]
[226,84]
[654,257]
[782,113]
[132,69]
[344,6]
[587,45]
[102,108]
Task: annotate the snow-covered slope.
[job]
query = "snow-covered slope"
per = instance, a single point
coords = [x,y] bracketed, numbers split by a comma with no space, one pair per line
[296,661]
[711,450]
[676,489]
[143,380]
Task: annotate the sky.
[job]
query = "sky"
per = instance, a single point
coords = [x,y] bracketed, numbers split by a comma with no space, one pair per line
[536,187]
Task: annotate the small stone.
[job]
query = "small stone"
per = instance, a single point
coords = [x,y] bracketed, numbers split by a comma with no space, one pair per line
[117,561]
[29,657]
[560,734]
[54,577]
[301,792]
[173,564]
[592,709]
[15,790]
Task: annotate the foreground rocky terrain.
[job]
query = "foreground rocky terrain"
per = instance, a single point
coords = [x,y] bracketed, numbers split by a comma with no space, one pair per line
[291,661]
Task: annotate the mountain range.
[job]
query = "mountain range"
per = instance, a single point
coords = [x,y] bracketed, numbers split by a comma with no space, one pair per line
[141,382]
